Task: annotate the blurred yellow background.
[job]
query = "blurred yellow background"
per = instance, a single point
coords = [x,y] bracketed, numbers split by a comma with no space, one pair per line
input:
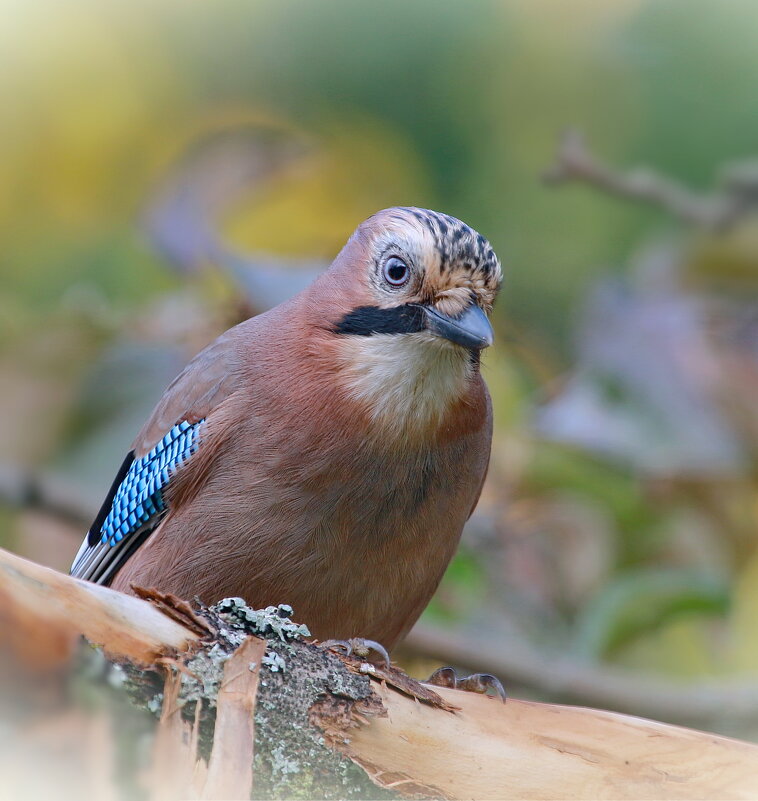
[167,168]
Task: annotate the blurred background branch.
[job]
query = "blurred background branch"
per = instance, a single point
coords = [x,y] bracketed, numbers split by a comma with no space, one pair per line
[734,199]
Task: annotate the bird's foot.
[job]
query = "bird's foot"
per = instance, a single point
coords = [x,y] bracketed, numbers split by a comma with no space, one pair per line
[359,647]
[475,683]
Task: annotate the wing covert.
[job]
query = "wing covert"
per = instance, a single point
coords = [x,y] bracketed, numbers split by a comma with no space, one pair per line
[135,504]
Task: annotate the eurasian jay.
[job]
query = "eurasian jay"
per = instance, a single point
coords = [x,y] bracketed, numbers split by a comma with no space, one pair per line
[326,453]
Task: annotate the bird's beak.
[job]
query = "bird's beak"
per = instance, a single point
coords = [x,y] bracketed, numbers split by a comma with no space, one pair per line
[470,328]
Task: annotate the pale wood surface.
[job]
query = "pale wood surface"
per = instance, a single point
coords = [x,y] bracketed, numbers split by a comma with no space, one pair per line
[486,750]
[174,752]
[230,769]
[43,611]
[528,750]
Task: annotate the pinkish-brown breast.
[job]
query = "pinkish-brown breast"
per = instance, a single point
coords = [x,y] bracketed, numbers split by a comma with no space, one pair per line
[302,502]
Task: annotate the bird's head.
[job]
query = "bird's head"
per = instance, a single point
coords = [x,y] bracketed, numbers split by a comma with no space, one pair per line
[415,271]
[407,304]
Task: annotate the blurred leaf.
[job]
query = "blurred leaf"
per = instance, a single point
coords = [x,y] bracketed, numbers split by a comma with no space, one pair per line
[687,647]
[618,491]
[229,160]
[727,260]
[637,602]
[7,528]
[363,165]
[461,591]
[508,389]
[744,618]
[643,392]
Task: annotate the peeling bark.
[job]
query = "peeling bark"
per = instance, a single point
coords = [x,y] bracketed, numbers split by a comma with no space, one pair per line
[243,698]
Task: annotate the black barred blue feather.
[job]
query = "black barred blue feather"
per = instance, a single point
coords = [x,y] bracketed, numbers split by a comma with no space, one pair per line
[139,496]
[135,504]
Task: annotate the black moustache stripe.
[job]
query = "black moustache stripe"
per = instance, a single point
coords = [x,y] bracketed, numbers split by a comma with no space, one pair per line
[368,320]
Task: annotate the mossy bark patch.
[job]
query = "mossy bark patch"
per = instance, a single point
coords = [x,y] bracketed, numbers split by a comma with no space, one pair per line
[307,704]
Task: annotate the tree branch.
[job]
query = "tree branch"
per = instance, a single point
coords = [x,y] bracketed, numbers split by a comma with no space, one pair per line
[485,749]
[544,751]
[735,199]
[43,613]
[695,703]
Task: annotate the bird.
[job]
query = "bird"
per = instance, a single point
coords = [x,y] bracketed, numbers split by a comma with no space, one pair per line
[325,453]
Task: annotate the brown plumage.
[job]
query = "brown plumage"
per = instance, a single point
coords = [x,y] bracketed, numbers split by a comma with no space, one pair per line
[344,442]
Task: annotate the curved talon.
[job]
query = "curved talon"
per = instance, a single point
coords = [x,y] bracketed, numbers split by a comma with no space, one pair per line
[363,647]
[481,682]
[443,677]
[476,682]
[328,645]
[360,647]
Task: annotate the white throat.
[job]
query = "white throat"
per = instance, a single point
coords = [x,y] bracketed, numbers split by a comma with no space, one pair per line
[406,381]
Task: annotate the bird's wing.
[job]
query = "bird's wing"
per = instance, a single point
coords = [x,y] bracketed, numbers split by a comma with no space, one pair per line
[204,384]
[169,458]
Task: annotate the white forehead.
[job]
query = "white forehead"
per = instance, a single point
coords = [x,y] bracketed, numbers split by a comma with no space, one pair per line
[436,242]
[403,232]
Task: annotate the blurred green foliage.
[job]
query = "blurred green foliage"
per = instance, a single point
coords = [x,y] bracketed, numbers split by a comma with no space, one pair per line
[100,97]
[637,602]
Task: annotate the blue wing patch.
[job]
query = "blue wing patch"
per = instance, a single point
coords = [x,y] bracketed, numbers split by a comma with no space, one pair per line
[135,504]
[139,497]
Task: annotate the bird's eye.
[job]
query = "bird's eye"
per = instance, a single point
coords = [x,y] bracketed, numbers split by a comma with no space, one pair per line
[396,271]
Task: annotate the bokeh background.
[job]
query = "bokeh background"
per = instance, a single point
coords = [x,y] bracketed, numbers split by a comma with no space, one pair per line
[169,168]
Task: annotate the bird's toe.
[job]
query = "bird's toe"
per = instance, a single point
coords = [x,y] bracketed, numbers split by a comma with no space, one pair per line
[476,682]
[481,683]
[443,677]
[360,647]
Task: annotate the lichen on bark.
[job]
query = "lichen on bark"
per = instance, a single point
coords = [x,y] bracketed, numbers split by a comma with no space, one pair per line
[307,703]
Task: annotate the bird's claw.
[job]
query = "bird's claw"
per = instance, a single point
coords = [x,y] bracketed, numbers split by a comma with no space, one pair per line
[481,682]
[475,683]
[359,647]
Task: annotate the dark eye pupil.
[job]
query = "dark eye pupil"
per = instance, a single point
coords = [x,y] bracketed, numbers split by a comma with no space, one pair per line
[396,271]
